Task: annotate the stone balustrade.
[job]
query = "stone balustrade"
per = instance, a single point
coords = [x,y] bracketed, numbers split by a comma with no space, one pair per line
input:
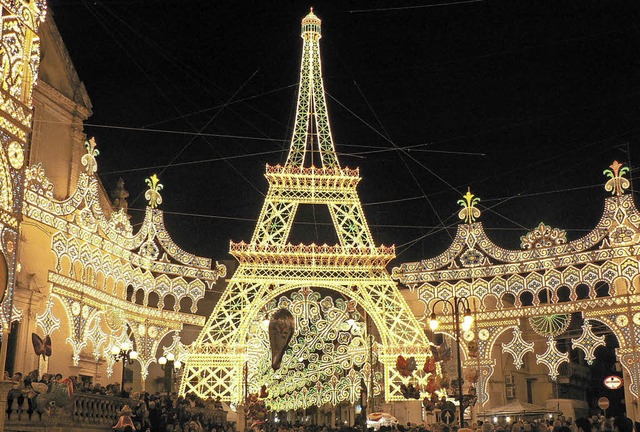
[84,412]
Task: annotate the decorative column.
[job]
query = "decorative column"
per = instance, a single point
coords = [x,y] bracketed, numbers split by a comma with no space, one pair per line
[20,59]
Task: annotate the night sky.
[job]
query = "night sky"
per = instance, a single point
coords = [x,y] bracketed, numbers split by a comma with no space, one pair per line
[526,102]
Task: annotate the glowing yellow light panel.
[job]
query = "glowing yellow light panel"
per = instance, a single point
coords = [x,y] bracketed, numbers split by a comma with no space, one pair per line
[19,64]
[546,266]
[270,268]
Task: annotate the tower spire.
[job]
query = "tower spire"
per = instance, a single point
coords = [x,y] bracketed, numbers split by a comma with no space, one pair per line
[312,120]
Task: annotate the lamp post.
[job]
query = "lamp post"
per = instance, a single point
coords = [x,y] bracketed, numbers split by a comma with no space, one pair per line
[125,353]
[459,304]
[168,364]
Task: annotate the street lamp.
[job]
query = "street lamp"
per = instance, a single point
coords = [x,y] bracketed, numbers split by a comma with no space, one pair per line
[459,304]
[169,364]
[127,354]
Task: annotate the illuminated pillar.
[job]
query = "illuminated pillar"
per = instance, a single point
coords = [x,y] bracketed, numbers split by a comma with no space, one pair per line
[20,60]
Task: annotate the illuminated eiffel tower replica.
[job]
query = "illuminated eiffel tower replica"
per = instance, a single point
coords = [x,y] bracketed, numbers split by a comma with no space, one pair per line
[270,266]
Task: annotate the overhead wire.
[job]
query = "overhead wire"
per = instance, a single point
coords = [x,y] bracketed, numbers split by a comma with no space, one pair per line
[496,199]
[164,53]
[423,6]
[297,222]
[386,133]
[180,112]
[205,110]
[379,149]
[451,186]
[440,178]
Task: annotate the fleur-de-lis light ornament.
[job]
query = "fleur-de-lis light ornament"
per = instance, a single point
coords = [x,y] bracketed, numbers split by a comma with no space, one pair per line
[153,193]
[89,159]
[469,212]
[616,183]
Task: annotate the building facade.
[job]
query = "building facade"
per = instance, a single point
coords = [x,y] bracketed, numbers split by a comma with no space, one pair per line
[85,280]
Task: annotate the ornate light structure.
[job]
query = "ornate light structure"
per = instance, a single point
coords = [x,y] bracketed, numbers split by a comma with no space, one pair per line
[518,347]
[97,258]
[270,266]
[588,342]
[20,60]
[548,270]
[552,358]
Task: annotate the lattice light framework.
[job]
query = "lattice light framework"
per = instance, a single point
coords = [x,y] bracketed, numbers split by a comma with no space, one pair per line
[97,337]
[99,257]
[328,354]
[518,347]
[20,61]
[552,358]
[271,267]
[311,110]
[47,321]
[147,336]
[549,270]
[588,342]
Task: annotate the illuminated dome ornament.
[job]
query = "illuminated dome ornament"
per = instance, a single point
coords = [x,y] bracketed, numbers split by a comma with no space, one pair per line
[543,236]
[469,212]
[550,325]
[153,193]
[89,158]
[270,267]
[311,25]
[617,183]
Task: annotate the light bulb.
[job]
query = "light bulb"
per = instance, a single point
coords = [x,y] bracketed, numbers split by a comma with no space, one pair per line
[171,356]
[177,364]
[433,321]
[467,321]
[466,325]
[162,361]
[115,350]
[126,345]
[133,355]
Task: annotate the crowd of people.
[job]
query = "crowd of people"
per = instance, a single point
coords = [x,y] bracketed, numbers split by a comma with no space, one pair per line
[168,412]
[561,424]
[157,412]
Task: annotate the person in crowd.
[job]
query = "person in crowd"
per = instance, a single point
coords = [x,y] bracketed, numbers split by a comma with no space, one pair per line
[583,425]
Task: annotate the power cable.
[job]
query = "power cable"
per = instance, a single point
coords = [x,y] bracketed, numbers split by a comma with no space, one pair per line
[425,6]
